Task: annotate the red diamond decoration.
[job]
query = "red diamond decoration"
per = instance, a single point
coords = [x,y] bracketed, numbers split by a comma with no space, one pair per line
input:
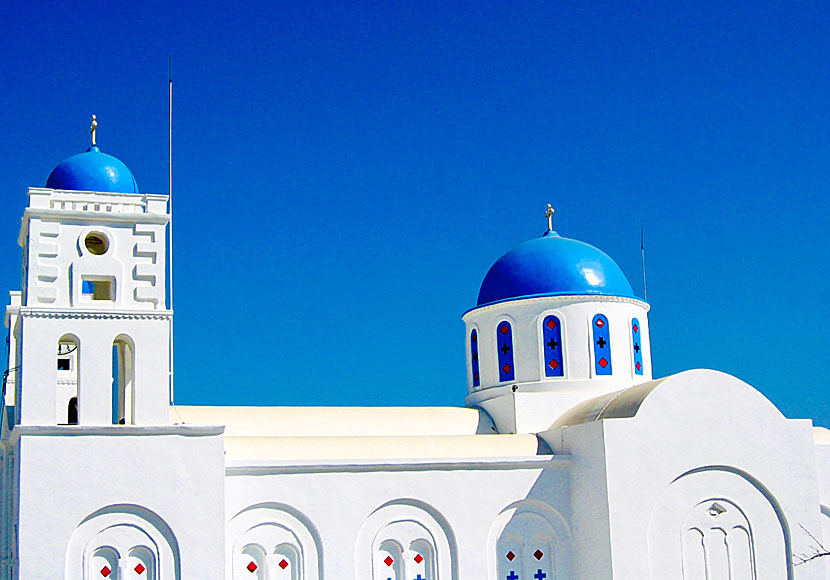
[251,567]
[510,555]
[553,364]
[139,569]
[105,571]
[475,376]
[603,363]
[419,558]
[506,368]
[600,323]
[283,564]
[639,366]
[503,329]
[636,329]
[388,560]
[551,324]
[538,554]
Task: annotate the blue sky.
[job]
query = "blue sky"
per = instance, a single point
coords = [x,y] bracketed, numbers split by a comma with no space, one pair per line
[345,174]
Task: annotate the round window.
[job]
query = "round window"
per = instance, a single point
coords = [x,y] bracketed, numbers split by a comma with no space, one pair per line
[96,243]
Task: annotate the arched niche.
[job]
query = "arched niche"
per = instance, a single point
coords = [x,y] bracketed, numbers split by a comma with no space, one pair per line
[529,539]
[421,534]
[142,544]
[289,543]
[716,521]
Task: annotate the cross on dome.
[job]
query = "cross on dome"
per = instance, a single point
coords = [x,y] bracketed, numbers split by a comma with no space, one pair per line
[549,214]
[92,129]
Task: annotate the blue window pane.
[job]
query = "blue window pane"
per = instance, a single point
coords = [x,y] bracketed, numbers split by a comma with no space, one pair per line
[504,340]
[474,357]
[552,337]
[636,346]
[88,287]
[602,345]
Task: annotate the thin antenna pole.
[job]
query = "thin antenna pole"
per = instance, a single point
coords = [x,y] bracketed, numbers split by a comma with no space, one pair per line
[170,205]
[643,257]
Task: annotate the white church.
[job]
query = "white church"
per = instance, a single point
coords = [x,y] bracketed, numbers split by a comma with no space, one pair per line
[568,460]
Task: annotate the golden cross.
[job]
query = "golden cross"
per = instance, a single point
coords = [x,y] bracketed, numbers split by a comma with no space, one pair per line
[549,215]
[92,129]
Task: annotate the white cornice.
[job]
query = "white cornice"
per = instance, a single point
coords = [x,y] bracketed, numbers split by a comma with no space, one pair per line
[112,430]
[38,312]
[572,298]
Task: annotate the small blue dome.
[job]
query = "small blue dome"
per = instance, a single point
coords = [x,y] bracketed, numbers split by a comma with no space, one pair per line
[553,266]
[93,171]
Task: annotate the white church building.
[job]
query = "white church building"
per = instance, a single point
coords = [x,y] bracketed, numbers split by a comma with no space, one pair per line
[568,461]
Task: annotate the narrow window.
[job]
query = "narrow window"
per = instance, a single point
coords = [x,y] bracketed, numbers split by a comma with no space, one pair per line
[123,375]
[602,345]
[474,357]
[504,340]
[68,365]
[552,337]
[635,346]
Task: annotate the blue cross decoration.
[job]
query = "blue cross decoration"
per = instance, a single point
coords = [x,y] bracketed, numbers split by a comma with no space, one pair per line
[512,576]
[540,575]
[419,577]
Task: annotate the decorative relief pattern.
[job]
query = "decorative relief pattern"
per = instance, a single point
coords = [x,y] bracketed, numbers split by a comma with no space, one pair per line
[717,543]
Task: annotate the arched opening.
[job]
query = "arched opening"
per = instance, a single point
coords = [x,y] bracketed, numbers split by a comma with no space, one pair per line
[141,564]
[68,375]
[123,380]
[104,564]
[252,562]
[504,342]
[388,561]
[286,562]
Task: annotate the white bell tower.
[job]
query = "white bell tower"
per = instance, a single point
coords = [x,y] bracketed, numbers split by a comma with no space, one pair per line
[91,332]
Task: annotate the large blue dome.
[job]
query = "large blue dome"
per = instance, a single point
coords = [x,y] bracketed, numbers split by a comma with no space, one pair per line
[553,266]
[93,171]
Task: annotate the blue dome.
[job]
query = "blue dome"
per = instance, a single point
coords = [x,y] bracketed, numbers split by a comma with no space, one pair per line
[553,266]
[93,171]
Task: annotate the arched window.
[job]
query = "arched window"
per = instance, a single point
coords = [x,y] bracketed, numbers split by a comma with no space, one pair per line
[552,339]
[104,564]
[474,358]
[422,560]
[636,347]
[286,562]
[68,365]
[141,564]
[123,379]
[388,564]
[601,337]
[251,563]
[504,342]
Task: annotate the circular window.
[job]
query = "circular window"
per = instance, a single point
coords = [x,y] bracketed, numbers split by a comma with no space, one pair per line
[96,243]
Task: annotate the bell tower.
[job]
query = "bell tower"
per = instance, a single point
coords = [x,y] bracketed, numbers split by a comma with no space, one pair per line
[91,332]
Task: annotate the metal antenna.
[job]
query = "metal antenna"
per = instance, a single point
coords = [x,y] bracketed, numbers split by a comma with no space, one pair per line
[643,257]
[170,206]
